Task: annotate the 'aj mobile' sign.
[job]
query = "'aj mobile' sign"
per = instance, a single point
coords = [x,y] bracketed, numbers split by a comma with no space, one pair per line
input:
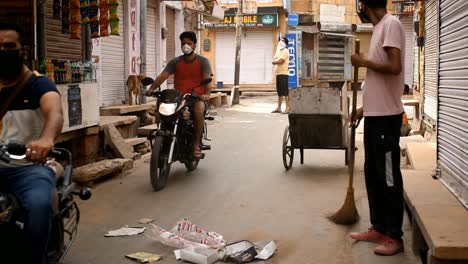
[258,20]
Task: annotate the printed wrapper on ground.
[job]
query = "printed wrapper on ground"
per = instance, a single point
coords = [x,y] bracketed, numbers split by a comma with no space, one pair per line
[169,239]
[190,231]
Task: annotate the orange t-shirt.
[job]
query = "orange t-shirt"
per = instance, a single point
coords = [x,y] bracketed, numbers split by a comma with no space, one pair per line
[188,75]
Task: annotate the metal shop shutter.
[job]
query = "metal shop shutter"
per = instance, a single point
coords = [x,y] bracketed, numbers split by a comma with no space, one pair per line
[60,46]
[430,59]
[256,57]
[453,97]
[170,39]
[408,26]
[151,39]
[113,87]
[331,55]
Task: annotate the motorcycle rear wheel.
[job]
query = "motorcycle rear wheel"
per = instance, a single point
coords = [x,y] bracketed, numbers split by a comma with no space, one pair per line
[159,165]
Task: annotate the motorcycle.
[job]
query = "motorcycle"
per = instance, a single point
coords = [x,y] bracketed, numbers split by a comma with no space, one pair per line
[66,212]
[174,139]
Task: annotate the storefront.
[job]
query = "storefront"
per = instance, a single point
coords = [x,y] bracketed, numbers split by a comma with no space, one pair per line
[111,51]
[260,36]
[151,37]
[452,99]
[67,65]
[405,12]
[431,53]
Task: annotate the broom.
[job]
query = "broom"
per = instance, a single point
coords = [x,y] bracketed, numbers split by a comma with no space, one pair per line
[348,214]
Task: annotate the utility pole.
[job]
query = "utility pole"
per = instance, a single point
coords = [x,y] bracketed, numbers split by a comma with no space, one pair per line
[235,88]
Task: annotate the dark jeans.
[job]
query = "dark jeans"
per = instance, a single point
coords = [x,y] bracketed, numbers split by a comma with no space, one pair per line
[34,186]
[382,172]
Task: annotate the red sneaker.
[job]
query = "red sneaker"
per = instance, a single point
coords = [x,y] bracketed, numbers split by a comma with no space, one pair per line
[389,247]
[371,235]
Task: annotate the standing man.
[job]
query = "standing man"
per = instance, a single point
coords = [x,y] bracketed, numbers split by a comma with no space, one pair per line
[33,118]
[189,70]
[281,60]
[383,110]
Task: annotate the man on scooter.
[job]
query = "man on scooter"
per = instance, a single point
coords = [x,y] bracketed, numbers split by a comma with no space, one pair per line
[30,113]
[189,70]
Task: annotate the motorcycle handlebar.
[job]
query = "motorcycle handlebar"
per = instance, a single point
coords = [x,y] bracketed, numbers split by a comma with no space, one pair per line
[19,149]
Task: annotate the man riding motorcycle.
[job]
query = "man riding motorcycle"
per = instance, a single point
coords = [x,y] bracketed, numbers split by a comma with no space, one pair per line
[31,114]
[189,70]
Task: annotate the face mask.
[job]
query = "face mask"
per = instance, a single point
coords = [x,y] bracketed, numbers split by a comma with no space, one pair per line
[281,45]
[186,49]
[11,63]
[362,14]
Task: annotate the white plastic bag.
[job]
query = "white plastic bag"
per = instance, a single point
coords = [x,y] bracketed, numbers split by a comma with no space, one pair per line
[190,231]
[170,239]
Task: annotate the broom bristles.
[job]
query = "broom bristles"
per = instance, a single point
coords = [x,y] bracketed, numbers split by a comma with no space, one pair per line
[348,214]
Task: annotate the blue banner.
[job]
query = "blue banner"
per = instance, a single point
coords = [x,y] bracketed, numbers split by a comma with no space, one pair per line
[293,82]
[293,19]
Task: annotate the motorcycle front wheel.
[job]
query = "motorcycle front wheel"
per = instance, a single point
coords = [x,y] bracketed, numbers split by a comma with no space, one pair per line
[159,165]
[191,165]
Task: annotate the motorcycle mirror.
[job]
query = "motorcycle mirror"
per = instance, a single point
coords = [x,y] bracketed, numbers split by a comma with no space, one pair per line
[147,81]
[206,81]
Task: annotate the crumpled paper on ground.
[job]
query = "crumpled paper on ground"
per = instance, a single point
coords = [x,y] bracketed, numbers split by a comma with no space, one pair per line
[144,257]
[125,231]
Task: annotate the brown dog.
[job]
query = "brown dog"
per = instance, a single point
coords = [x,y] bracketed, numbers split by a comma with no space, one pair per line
[133,85]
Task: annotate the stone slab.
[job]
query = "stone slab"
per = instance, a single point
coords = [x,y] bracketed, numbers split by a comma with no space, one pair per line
[117,121]
[124,109]
[135,141]
[144,131]
[422,156]
[94,171]
[117,143]
[441,218]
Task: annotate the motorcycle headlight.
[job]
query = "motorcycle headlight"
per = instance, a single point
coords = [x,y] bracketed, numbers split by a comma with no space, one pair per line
[167,109]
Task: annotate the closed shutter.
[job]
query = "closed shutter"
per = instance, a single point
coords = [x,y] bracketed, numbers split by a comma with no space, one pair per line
[256,57]
[113,65]
[151,39]
[60,46]
[430,60]
[453,97]
[408,26]
[331,57]
[415,63]
[170,39]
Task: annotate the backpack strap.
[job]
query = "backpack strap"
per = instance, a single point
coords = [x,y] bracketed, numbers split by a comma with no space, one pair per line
[16,90]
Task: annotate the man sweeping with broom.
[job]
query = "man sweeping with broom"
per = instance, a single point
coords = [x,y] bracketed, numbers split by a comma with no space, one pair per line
[382,109]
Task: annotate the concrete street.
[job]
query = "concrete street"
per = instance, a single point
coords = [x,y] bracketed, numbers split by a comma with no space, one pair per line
[242,191]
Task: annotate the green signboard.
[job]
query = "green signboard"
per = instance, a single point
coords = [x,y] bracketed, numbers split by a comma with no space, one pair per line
[258,20]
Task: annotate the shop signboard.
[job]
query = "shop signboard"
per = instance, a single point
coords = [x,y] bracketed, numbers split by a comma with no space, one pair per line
[257,20]
[293,19]
[293,82]
[75,115]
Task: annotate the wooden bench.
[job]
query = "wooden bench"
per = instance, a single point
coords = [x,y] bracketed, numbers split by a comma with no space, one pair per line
[439,220]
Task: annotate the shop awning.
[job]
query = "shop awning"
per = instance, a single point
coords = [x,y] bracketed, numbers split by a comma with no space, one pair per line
[209,8]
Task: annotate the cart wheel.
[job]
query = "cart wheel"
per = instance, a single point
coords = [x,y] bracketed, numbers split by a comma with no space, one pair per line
[288,150]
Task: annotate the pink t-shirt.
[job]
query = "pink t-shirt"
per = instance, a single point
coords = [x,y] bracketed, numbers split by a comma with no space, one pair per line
[382,93]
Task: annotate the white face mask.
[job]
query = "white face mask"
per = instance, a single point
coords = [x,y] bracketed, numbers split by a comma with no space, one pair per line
[186,49]
[281,45]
